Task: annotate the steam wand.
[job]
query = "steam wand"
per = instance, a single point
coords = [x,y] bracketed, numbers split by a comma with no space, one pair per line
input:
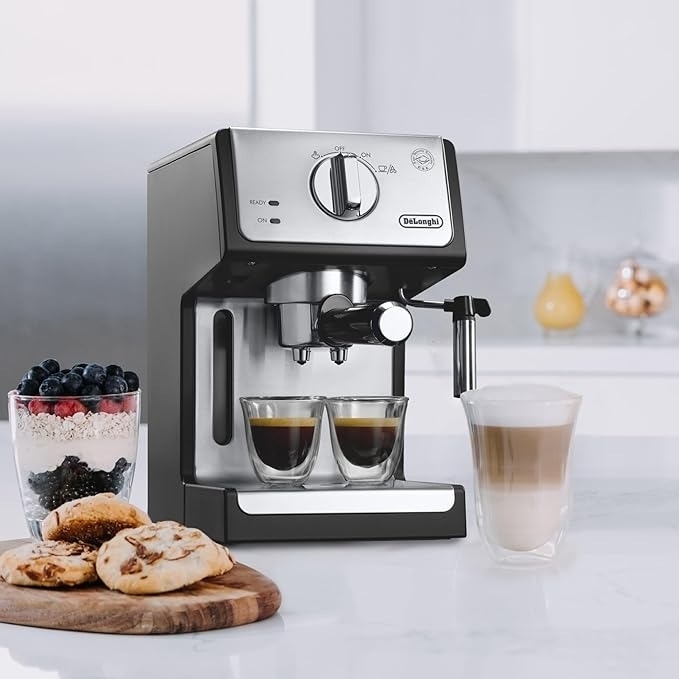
[464,310]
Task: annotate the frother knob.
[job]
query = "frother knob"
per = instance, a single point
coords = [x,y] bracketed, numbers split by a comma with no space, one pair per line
[344,187]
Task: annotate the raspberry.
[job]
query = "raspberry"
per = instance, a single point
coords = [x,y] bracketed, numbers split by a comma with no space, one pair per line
[129,404]
[37,406]
[108,405]
[69,407]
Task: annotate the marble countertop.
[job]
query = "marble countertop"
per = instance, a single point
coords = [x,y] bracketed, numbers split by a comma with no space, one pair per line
[609,608]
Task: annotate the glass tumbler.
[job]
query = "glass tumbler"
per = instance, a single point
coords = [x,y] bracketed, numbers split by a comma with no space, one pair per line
[282,433]
[367,436]
[521,439]
[68,447]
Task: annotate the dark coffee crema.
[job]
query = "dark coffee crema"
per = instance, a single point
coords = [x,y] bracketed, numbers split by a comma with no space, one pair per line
[527,456]
[366,441]
[283,443]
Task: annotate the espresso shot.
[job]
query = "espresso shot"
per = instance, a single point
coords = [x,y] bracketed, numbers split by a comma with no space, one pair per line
[282,434]
[283,443]
[367,436]
[366,441]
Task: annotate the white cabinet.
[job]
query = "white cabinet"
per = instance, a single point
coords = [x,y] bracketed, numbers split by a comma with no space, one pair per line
[627,391]
[502,75]
[597,75]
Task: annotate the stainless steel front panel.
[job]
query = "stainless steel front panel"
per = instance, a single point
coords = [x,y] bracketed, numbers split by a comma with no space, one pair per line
[277,165]
[262,367]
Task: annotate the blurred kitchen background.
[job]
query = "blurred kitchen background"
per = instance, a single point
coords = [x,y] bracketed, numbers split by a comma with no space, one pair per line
[565,116]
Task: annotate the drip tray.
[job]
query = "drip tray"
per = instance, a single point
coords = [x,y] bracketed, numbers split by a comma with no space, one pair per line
[250,512]
[337,498]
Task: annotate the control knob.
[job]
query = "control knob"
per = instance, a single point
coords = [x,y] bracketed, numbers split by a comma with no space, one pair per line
[344,186]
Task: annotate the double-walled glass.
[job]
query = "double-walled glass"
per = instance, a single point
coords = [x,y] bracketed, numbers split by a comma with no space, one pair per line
[282,434]
[367,436]
[68,447]
[521,439]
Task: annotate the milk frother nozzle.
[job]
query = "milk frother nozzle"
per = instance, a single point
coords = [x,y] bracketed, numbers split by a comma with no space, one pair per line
[464,309]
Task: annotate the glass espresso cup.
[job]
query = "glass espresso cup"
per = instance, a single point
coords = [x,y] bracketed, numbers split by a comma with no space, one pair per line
[521,438]
[367,436]
[282,434]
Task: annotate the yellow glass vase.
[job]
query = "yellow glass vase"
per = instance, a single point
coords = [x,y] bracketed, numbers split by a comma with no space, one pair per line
[559,305]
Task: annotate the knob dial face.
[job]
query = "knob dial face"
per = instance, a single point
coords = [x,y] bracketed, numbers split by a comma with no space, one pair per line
[344,187]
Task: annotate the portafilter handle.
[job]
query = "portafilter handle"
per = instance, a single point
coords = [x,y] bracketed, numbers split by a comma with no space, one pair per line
[386,323]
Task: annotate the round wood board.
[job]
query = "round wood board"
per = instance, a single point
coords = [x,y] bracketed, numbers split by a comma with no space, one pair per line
[241,596]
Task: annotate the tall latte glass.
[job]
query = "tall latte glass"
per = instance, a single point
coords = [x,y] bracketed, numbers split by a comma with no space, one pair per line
[521,438]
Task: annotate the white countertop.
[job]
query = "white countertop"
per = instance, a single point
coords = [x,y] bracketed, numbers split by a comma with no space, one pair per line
[427,609]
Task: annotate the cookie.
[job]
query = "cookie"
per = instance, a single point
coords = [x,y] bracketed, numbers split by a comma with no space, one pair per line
[93,519]
[49,564]
[160,557]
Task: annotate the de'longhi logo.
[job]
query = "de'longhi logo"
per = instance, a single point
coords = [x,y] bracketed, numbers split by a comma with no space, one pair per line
[422,160]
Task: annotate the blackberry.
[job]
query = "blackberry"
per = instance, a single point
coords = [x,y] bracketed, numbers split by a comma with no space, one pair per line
[43,482]
[121,465]
[74,491]
[50,501]
[102,480]
[74,479]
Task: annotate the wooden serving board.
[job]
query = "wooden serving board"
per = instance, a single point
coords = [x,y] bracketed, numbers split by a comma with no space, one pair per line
[241,596]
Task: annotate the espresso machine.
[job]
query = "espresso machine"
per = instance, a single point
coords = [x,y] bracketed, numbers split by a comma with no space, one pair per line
[282,263]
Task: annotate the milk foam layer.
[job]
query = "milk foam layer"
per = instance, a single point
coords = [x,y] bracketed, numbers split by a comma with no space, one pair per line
[521,405]
[523,519]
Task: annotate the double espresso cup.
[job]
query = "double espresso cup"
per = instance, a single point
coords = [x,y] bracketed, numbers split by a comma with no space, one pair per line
[283,434]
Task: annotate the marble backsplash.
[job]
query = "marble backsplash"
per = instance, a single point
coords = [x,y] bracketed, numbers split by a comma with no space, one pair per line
[527,214]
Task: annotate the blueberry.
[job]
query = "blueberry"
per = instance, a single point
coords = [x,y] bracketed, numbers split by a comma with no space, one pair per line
[94,374]
[50,365]
[78,369]
[28,388]
[114,370]
[92,392]
[79,365]
[51,387]
[115,385]
[72,384]
[132,380]
[37,373]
